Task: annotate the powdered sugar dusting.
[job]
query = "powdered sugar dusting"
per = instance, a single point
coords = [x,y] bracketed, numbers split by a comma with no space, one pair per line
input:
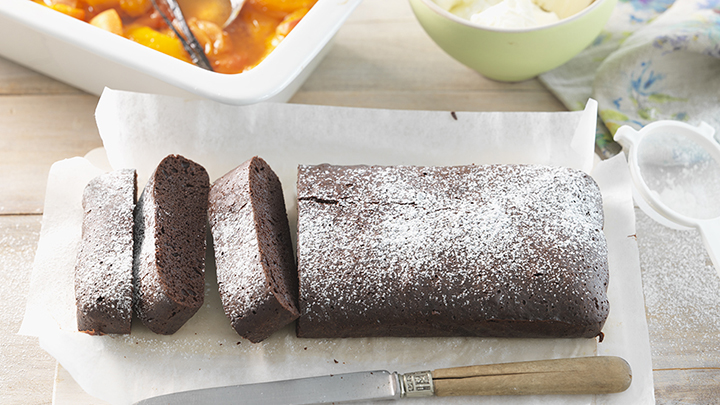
[681,288]
[429,244]
[240,277]
[103,277]
[145,252]
[256,270]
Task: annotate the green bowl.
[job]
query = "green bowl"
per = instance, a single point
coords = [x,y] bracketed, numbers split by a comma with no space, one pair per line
[512,55]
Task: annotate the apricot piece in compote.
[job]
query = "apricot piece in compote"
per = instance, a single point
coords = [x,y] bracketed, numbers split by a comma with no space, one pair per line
[167,44]
[109,20]
[135,8]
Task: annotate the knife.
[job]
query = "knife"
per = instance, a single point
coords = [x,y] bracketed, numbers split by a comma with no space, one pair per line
[582,375]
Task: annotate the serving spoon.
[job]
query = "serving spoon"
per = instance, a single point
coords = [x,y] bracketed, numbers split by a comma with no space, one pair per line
[220,12]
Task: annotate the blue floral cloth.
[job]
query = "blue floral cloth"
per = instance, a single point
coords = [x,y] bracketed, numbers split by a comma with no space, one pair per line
[655,59]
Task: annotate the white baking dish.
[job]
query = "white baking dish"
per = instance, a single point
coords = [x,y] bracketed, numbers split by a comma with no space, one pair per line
[91,59]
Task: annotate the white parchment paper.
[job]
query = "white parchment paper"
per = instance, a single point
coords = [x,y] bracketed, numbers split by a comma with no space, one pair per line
[138,130]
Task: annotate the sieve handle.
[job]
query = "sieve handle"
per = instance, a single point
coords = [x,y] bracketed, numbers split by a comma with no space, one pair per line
[710,231]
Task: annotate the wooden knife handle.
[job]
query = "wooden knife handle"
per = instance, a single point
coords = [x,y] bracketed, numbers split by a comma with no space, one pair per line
[583,375]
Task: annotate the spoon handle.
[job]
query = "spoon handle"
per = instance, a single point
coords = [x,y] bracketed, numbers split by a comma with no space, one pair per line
[183,32]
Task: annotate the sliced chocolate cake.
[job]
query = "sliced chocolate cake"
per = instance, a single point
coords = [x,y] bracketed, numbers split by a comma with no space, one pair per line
[256,270]
[103,272]
[495,250]
[170,239]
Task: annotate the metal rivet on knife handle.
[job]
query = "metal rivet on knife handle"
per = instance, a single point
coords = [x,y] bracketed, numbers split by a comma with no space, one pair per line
[417,384]
[584,375]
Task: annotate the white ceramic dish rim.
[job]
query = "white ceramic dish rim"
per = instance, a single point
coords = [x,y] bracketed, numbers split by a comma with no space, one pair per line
[269,78]
[444,13]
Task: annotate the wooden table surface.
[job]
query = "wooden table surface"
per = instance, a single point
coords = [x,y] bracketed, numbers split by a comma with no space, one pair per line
[381,59]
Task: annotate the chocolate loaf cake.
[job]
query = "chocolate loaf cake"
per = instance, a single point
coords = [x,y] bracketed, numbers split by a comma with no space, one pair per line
[170,225]
[496,250]
[256,270]
[103,272]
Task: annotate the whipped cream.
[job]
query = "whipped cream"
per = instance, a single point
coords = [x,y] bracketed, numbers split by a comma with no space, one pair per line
[500,13]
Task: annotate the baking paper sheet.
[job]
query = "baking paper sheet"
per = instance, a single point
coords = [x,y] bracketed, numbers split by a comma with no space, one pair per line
[138,130]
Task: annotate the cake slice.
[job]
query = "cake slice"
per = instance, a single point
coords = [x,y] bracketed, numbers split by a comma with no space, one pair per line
[256,271]
[492,250]
[170,239]
[103,272]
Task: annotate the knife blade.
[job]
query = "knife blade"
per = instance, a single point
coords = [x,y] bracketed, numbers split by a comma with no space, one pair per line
[582,375]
